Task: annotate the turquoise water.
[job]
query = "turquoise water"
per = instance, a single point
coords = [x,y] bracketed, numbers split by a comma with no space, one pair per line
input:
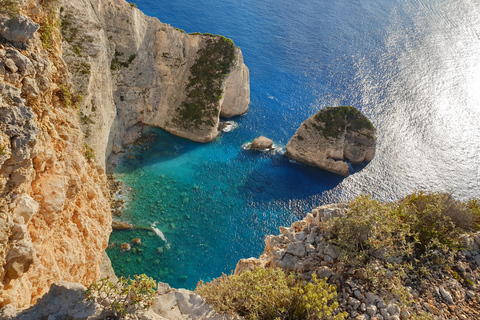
[411,66]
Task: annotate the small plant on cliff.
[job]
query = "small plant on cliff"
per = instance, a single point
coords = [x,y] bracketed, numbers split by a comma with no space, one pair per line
[270,294]
[68,98]
[123,297]
[47,29]
[9,7]
[89,153]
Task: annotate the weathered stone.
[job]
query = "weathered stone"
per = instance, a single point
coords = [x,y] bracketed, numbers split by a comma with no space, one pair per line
[324,272]
[30,87]
[371,310]
[125,246]
[296,248]
[332,251]
[19,258]
[25,207]
[25,66]
[11,65]
[393,309]
[20,29]
[431,308]
[381,304]
[404,313]
[354,303]
[247,265]
[331,137]
[261,143]
[445,295]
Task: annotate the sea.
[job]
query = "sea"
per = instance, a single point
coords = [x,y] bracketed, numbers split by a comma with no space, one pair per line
[411,66]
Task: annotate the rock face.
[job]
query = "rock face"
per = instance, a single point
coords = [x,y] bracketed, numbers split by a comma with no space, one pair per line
[261,143]
[54,204]
[67,301]
[331,137]
[89,71]
[133,69]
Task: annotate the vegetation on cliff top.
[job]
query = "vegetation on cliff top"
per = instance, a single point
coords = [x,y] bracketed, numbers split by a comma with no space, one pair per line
[332,121]
[123,297]
[394,245]
[270,294]
[204,87]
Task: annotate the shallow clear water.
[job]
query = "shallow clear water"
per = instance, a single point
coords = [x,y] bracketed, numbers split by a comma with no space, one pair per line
[411,66]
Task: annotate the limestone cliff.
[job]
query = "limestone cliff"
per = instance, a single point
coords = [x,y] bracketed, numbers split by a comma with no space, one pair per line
[133,69]
[54,208]
[331,137]
[89,70]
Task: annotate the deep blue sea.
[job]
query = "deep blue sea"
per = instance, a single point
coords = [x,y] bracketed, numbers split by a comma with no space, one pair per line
[411,66]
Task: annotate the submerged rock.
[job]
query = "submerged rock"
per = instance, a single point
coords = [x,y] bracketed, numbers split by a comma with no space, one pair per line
[261,143]
[332,137]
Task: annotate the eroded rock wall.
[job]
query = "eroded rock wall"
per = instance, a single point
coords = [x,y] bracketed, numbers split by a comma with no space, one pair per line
[54,207]
[132,69]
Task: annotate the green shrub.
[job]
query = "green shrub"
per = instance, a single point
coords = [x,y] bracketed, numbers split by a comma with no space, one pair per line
[333,121]
[47,29]
[2,150]
[89,153]
[68,98]
[9,7]
[270,294]
[390,242]
[437,220]
[133,5]
[123,297]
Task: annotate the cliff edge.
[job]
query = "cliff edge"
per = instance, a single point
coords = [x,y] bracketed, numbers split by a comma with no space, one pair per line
[54,204]
[135,70]
[332,137]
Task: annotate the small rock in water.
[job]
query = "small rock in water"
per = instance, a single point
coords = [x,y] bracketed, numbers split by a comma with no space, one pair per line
[125,246]
[261,143]
[137,241]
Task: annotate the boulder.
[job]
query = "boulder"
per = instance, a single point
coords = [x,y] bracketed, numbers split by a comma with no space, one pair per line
[332,137]
[19,29]
[261,143]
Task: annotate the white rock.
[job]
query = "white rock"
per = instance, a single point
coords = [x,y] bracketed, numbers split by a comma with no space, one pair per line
[446,295]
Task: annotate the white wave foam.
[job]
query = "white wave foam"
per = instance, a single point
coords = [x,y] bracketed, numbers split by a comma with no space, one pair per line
[230,126]
[159,233]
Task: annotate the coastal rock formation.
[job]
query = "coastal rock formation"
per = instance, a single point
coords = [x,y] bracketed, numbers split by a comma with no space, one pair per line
[332,137]
[54,205]
[67,301]
[304,248]
[134,70]
[261,143]
[77,80]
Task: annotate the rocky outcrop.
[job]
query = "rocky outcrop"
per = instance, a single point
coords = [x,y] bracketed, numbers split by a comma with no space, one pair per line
[332,137]
[54,204]
[261,143]
[304,248]
[133,69]
[67,301]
